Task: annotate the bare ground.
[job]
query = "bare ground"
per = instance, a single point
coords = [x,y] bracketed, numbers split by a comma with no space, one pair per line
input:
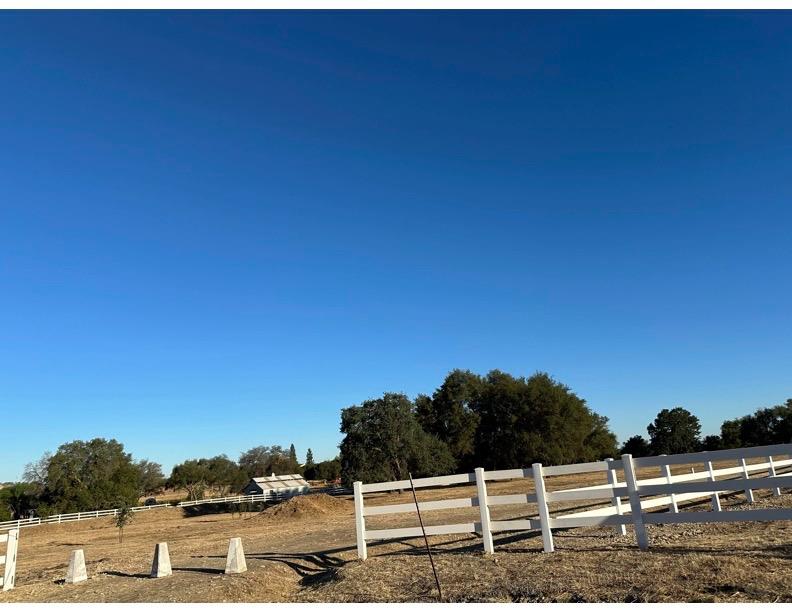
[306,552]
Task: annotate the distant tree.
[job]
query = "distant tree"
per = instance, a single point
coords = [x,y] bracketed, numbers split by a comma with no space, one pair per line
[266,460]
[36,472]
[730,434]
[122,518]
[17,500]
[223,475]
[324,470]
[219,475]
[309,459]
[763,427]
[293,459]
[329,470]
[384,441]
[782,429]
[637,446]
[190,475]
[711,443]
[90,475]
[254,462]
[150,478]
[674,431]
[450,414]
[536,420]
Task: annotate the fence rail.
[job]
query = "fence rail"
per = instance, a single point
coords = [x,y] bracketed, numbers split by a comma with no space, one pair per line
[269,496]
[71,517]
[630,500]
[231,499]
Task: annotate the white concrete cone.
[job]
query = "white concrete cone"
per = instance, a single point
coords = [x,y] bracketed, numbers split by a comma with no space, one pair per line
[161,566]
[235,562]
[76,572]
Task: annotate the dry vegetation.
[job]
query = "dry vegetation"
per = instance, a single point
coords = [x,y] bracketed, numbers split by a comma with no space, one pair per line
[304,550]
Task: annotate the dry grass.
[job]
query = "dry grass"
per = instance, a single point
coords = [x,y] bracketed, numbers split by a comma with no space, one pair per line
[305,551]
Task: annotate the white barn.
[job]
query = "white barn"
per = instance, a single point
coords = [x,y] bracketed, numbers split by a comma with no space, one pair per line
[287,484]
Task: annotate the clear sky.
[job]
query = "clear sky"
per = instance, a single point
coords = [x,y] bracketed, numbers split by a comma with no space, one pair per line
[219,229]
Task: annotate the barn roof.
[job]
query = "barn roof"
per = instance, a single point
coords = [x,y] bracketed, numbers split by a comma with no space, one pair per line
[286,481]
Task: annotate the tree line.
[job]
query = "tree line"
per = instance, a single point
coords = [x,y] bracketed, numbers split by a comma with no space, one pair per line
[99,474]
[677,431]
[493,421]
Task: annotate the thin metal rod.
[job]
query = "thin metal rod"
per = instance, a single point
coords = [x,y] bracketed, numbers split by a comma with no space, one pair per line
[426,540]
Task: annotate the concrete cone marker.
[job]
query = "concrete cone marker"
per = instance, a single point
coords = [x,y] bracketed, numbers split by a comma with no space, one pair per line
[76,572]
[235,562]
[161,566]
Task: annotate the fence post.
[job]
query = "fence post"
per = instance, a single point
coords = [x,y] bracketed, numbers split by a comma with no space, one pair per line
[667,473]
[716,505]
[749,496]
[486,530]
[635,502]
[772,474]
[613,481]
[10,560]
[544,512]
[360,521]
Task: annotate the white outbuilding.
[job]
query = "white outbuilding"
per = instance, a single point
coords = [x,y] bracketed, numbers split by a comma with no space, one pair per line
[285,485]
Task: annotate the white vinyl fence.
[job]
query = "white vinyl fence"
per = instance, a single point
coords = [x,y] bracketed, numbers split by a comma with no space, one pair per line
[629,499]
[272,495]
[268,496]
[233,499]
[8,560]
[72,516]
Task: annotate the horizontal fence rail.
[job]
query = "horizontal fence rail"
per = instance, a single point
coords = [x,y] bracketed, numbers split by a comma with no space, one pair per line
[630,500]
[232,499]
[73,516]
[268,496]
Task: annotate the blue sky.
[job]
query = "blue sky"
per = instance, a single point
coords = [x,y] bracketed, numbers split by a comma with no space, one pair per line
[219,229]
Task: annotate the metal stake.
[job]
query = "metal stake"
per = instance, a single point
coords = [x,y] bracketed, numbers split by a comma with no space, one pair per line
[426,540]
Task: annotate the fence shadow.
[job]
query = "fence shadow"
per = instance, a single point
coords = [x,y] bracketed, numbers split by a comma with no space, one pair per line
[200,570]
[124,574]
[225,508]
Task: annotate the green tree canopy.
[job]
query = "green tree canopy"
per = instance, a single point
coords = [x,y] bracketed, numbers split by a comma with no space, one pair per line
[674,431]
[324,470]
[763,427]
[384,441]
[711,443]
[90,475]
[220,475]
[266,460]
[450,414]
[151,478]
[730,434]
[309,459]
[536,420]
[190,475]
[17,501]
[637,446]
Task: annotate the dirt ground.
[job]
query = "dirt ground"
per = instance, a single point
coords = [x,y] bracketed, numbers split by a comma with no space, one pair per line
[304,551]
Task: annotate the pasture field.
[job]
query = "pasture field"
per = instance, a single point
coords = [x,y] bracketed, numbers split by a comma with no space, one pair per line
[304,551]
